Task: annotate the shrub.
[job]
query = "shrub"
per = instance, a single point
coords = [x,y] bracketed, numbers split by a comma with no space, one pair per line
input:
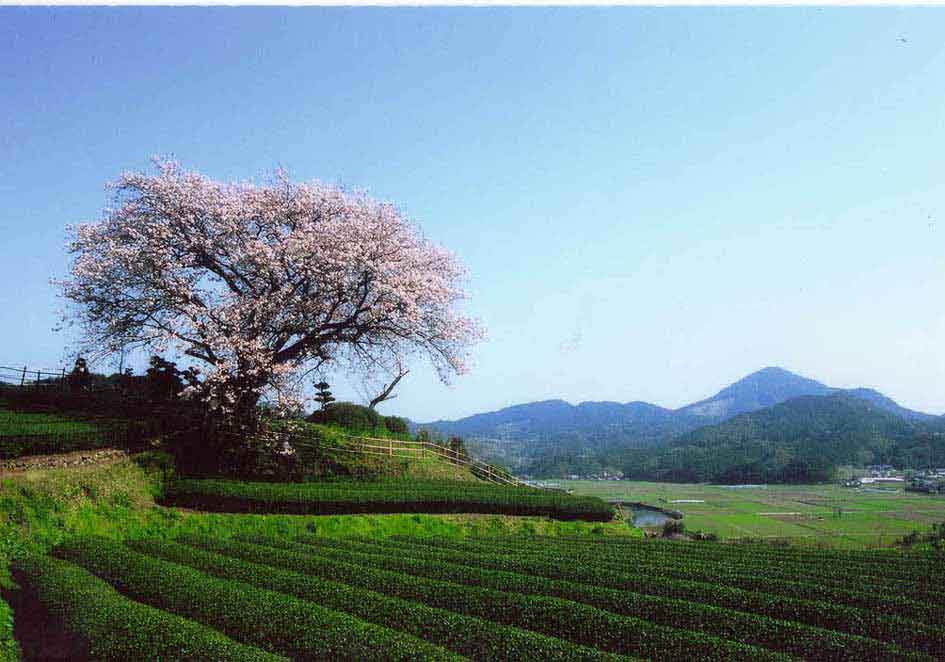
[396,425]
[348,415]
[463,634]
[112,627]
[703,536]
[885,563]
[270,620]
[672,528]
[156,461]
[9,650]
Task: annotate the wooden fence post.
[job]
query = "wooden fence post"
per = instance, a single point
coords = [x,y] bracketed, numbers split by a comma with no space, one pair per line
[23,377]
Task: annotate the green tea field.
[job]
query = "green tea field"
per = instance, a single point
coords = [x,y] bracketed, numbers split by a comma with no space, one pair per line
[258,596]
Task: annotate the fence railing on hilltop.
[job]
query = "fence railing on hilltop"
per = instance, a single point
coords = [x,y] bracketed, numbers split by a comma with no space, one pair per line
[26,376]
[425,449]
[409,449]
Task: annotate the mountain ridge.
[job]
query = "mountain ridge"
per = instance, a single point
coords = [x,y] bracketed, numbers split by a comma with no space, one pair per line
[529,435]
[762,388]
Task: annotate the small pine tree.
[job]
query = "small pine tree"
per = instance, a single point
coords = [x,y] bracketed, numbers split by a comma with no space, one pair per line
[457,445]
[163,379]
[80,379]
[323,395]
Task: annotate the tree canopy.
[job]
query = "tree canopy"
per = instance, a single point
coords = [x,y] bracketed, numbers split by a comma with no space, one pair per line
[263,283]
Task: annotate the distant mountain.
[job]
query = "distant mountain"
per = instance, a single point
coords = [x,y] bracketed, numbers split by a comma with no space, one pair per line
[514,435]
[760,389]
[551,416]
[801,440]
[553,433]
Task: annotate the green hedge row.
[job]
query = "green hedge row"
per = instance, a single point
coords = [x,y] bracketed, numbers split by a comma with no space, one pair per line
[112,627]
[9,650]
[893,629]
[685,567]
[900,573]
[465,635]
[14,447]
[870,590]
[270,620]
[886,562]
[575,622]
[834,573]
[753,629]
[354,497]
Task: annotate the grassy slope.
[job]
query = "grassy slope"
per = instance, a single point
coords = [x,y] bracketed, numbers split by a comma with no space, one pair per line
[366,466]
[41,508]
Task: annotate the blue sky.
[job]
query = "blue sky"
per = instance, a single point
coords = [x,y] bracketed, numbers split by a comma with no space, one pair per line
[652,202]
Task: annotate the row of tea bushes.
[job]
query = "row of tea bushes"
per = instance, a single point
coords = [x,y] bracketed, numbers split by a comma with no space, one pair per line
[755,629]
[568,620]
[472,637]
[883,562]
[270,620]
[259,596]
[110,626]
[824,571]
[898,630]
[386,497]
[681,565]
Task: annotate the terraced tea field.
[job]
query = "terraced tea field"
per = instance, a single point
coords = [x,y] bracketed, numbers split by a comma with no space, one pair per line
[34,433]
[813,515]
[388,496]
[257,596]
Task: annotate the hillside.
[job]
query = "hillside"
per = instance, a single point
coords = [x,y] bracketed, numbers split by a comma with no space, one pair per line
[801,440]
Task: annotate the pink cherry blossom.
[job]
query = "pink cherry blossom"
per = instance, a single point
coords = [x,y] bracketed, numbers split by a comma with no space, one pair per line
[263,283]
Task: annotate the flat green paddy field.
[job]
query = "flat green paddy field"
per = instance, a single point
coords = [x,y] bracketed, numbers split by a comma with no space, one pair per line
[817,515]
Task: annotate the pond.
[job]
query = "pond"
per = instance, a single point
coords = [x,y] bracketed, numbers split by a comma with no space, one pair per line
[643,516]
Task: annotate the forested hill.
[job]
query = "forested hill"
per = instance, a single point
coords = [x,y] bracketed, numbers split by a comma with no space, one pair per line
[801,440]
[555,438]
[550,423]
[632,423]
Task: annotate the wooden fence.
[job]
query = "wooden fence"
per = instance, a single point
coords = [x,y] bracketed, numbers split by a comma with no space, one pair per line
[408,449]
[26,376]
[427,449]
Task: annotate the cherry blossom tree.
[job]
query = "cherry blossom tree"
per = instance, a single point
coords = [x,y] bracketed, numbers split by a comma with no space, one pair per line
[264,284]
